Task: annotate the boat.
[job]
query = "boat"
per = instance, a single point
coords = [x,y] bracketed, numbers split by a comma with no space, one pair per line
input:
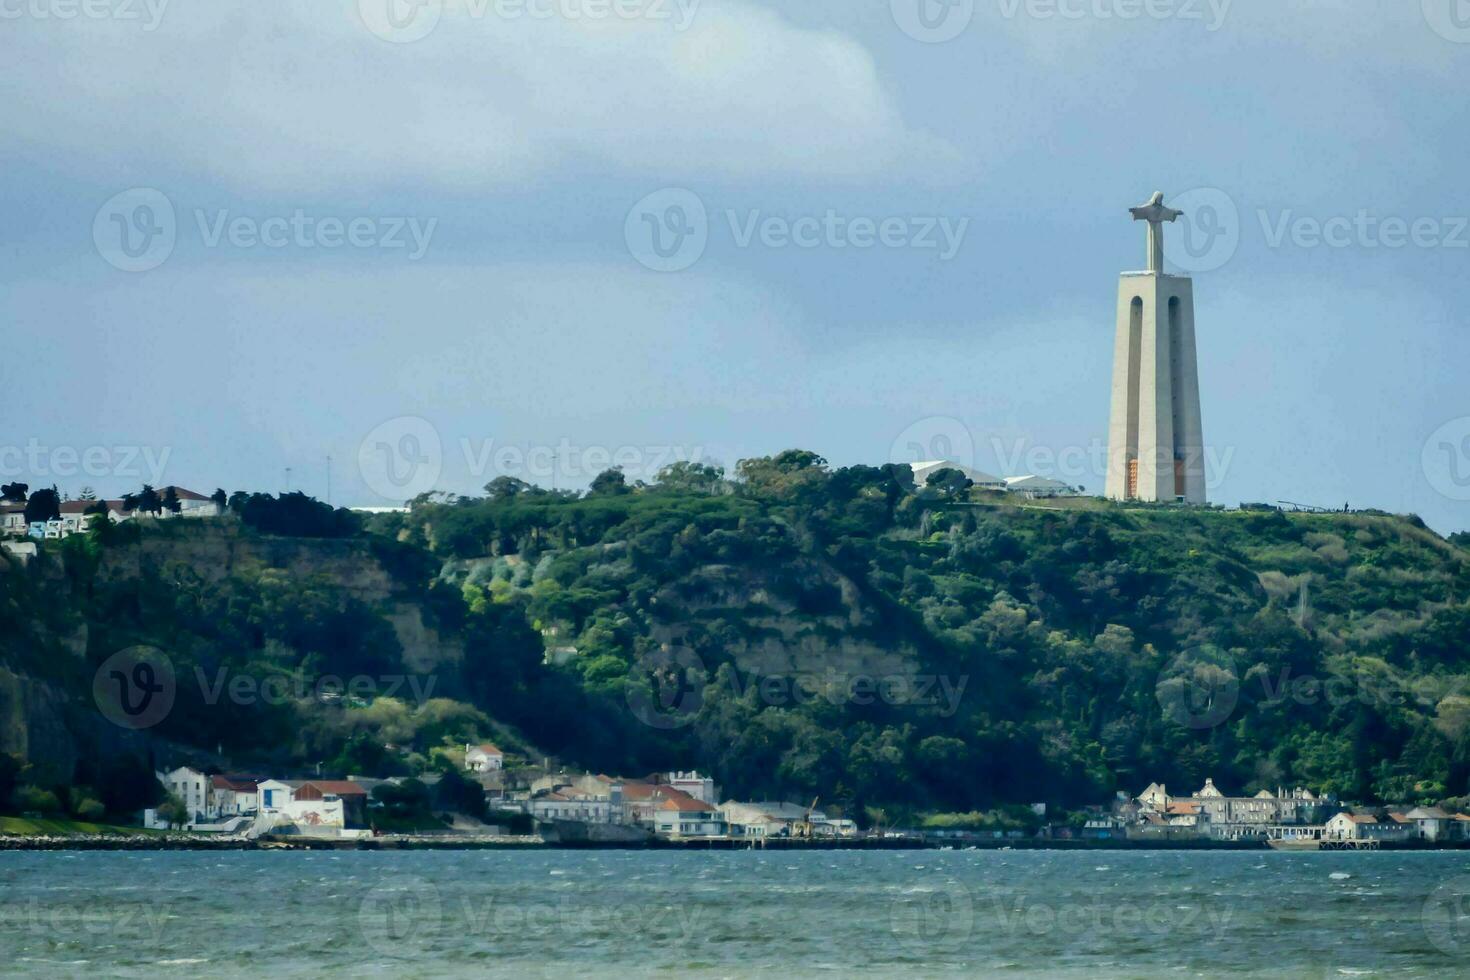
[1295,844]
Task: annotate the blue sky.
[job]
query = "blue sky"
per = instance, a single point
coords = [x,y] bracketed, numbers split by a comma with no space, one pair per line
[523,323]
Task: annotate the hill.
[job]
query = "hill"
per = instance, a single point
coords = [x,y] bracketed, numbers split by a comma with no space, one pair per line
[798,631]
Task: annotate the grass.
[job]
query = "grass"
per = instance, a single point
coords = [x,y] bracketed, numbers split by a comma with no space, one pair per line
[58,827]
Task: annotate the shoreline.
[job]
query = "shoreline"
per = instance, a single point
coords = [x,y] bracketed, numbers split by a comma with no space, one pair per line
[196,842]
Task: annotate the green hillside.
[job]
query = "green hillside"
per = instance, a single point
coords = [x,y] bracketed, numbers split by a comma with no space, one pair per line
[799,631]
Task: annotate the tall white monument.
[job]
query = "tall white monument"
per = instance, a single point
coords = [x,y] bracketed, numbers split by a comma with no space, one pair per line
[1155,439]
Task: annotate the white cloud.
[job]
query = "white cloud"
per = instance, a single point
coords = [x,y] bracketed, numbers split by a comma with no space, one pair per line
[303,96]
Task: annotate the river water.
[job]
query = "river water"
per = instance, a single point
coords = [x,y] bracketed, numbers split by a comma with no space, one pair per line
[734,913]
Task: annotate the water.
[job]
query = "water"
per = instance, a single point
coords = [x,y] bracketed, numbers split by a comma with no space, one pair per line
[734,914]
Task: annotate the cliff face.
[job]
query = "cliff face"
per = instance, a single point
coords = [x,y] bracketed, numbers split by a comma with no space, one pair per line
[1058,653]
[181,586]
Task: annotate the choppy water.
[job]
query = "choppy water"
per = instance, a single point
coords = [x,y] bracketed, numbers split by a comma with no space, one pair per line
[734,914]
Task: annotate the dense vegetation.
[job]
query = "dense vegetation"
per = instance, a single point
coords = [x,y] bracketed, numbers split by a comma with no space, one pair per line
[1054,652]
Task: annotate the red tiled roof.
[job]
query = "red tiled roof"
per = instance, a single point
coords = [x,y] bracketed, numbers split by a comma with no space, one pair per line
[488,748]
[339,787]
[238,785]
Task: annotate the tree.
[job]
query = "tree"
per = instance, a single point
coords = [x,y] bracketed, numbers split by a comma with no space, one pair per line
[691,477]
[948,483]
[148,501]
[171,502]
[43,505]
[608,483]
[87,494]
[506,488]
[14,493]
[220,499]
[173,812]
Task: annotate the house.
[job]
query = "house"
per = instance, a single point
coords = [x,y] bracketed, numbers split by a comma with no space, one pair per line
[309,805]
[700,787]
[1430,822]
[13,519]
[681,815]
[1353,826]
[767,819]
[232,796]
[192,788]
[483,758]
[1228,817]
[1037,487]
[569,804]
[981,479]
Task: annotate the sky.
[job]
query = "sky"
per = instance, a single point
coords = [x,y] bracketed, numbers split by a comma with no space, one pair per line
[400,245]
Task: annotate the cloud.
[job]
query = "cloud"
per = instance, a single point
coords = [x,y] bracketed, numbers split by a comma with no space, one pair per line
[302,96]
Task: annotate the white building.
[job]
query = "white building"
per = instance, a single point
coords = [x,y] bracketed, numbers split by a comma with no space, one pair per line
[700,787]
[981,479]
[232,796]
[684,816]
[280,804]
[483,758]
[192,788]
[1037,487]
